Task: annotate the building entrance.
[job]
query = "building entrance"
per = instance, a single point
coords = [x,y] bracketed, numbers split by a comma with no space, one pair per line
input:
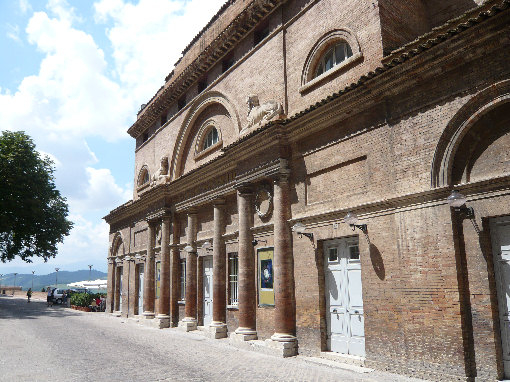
[140,288]
[208,300]
[344,301]
[500,232]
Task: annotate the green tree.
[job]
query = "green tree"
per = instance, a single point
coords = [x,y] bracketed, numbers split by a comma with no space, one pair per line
[33,214]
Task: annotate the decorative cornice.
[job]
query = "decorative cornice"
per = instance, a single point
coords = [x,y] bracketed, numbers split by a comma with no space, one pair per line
[221,45]
[346,98]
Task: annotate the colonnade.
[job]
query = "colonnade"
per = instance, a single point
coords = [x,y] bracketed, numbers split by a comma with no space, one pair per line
[168,309]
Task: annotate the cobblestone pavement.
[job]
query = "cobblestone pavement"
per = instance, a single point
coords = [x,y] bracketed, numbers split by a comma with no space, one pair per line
[59,344]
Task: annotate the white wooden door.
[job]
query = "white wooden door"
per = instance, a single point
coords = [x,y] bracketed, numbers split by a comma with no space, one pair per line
[140,289]
[500,232]
[208,297]
[120,289]
[346,326]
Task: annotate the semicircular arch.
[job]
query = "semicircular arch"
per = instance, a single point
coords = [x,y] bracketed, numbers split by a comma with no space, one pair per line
[201,103]
[468,115]
[117,245]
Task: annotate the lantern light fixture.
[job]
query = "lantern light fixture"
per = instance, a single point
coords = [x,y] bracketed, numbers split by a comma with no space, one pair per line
[300,229]
[189,248]
[457,201]
[352,219]
[207,245]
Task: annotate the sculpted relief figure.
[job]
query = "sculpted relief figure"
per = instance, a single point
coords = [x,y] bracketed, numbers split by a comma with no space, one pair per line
[259,114]
[161,176]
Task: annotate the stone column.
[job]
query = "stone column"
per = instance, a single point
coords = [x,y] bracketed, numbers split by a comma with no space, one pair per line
[247,290]
[148,280]
[218,327]
[190,311]
[164,298]
[110,295]
[285,303]
[125,286]
[116,291]
[175,277]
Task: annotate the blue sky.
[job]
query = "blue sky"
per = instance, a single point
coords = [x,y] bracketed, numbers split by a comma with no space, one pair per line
[73,75]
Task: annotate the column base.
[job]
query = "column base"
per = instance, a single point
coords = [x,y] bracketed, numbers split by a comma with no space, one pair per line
[188,324]
[243,335]
[148,315]
[116,313]
[163,321]
[285,345]
[217,330]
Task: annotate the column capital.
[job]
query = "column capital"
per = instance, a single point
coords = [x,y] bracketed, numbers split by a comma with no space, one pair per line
[281,177]
[191,211]
[219,202]
[244,188]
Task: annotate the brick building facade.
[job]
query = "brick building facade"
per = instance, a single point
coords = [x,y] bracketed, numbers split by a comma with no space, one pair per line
[282,117]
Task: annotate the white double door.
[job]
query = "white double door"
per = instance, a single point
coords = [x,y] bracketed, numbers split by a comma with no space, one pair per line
[500,232]
[208,296]
[346,325]
[140,288]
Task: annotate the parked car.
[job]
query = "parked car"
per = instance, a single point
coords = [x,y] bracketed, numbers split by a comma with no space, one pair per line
[58,295]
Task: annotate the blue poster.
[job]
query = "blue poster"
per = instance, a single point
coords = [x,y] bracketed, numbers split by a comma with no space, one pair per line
[266,274]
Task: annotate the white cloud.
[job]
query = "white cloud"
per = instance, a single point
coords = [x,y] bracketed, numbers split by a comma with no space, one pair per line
[148,38]
[79,93]
[24,6]
[13,32]
[101,193]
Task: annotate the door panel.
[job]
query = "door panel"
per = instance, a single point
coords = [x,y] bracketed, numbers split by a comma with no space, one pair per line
[140,289]
[346,331]
[500,232]
[207,280]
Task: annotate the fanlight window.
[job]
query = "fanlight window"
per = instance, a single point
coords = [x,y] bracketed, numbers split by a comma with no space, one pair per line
[333,56]
[211,138]
[144,177]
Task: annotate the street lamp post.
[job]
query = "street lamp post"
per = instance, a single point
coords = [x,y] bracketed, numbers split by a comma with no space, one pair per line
[90,271]
[33,280]
[1,275]
[56,277]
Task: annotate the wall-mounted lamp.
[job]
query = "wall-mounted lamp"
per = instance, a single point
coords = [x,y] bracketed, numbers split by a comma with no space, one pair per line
[352,219]
[189,248]
[300,229]
[255,242]
[138,257]
[207,245]
[457,201]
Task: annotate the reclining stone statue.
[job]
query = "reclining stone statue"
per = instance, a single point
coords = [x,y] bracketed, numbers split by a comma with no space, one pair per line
[161,175]
[259,114]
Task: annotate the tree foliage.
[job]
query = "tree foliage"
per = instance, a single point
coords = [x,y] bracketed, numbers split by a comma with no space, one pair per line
[33,214]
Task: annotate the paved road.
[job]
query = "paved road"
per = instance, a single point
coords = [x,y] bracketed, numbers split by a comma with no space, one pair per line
[58,344]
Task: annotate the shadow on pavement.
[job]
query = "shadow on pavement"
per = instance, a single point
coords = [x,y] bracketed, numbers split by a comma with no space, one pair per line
[19,308]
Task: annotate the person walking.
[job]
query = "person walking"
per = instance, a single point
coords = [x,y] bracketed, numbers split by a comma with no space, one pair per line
[49,297]
[29,294]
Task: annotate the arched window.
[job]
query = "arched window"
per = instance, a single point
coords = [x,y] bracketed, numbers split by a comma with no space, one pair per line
[211,138]
[143,177]
[335,55]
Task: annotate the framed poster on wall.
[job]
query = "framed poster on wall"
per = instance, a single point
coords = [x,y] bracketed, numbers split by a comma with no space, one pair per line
[158,278]
[265,277]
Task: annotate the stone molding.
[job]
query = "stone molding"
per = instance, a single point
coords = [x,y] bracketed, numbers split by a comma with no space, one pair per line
[255,11]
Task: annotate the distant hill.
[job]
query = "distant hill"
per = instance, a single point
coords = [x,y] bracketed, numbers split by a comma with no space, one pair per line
[40,281]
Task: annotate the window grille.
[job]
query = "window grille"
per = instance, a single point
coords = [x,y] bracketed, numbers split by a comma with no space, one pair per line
[183,279]
[333,56]
[211,138]
[233,276]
